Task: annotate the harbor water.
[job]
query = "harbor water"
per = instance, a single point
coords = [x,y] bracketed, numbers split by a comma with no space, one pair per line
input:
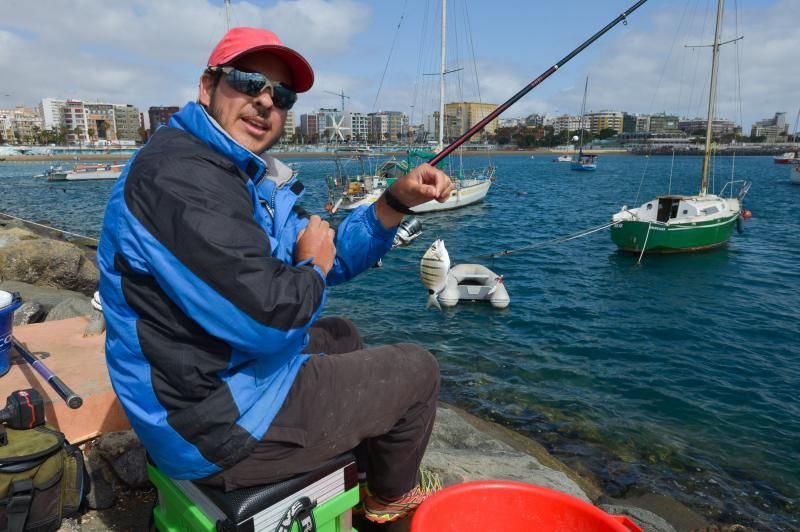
[679,375]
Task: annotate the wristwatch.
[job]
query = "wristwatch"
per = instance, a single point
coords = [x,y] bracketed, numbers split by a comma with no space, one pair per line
[394,203]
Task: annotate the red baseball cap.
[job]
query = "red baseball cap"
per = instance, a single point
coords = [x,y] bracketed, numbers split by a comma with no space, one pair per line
[242,41]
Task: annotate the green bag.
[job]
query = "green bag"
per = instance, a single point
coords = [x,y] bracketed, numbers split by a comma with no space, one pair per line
[41,480]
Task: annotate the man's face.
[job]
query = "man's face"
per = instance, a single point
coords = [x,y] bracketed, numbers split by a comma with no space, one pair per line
[252,121]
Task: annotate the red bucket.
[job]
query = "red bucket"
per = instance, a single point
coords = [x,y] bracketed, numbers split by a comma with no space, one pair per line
[512,507]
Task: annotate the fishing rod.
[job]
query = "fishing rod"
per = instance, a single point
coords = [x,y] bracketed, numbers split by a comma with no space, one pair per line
[511,101]
[72,399]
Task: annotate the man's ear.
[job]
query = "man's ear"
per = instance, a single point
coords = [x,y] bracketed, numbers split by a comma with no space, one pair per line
[207,86]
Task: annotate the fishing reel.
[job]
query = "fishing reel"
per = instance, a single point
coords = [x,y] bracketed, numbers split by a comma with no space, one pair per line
[408,230]
[24,410]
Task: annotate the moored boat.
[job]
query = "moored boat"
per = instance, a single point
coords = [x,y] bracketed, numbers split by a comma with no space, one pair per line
[790,157]
[672,223]
[87,172]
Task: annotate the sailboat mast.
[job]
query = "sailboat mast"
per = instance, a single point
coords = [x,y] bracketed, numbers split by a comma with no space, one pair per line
[442,121]
[712,98]
[227,15]
[583,112]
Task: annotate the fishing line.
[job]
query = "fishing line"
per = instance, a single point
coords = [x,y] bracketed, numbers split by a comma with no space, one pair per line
[49,227]
[394,41]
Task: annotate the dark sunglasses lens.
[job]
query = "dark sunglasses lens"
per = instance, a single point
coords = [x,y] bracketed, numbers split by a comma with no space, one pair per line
[250,83]
[282,97]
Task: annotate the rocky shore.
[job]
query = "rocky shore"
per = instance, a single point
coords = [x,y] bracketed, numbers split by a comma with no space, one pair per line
[56,279]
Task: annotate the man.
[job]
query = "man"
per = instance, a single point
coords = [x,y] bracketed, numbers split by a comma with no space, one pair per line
[212,282]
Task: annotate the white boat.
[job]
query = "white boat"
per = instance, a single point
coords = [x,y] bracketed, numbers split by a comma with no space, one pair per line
[474,282]
[88,172]
[794,175]
[50,171]
[348,192]
[584,162]
[564,159]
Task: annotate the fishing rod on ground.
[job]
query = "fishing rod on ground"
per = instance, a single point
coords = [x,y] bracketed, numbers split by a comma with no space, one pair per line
[511,101]
[72,399]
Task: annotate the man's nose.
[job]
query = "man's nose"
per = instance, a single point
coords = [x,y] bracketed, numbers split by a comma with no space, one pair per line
[264,99]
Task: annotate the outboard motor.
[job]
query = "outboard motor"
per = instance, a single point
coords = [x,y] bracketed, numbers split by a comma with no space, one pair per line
[409,229]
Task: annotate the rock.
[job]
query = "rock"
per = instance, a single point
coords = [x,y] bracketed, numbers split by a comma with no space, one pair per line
[101,493]
[69,308]
[47,297]
[29,312]
[47,262]
[460,452]
[648,521]
[126,455]
[15,234]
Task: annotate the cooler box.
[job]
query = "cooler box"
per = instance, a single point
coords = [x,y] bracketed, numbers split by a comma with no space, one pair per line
[332,490]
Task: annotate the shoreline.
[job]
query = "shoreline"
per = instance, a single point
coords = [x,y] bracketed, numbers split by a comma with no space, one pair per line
[675,512]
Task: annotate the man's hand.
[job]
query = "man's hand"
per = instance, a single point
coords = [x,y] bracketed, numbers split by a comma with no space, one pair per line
[420,185]
[316,241]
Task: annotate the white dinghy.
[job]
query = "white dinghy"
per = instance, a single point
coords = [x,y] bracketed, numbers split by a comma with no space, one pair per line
[474,282]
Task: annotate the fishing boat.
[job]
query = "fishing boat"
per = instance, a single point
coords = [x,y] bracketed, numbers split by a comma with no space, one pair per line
[790,157]
[584,162]
[349,192]
[87,172]
[50,171]
[675,223]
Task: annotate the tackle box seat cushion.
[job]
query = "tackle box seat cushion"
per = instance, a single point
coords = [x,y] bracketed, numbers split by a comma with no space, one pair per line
[244,503]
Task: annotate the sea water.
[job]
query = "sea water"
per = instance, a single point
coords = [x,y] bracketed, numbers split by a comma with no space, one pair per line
[679,375]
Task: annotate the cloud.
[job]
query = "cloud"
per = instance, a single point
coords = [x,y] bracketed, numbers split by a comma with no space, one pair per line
[143,52]
[649,70]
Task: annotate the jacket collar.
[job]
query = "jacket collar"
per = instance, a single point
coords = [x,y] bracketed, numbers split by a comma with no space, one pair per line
[194,119]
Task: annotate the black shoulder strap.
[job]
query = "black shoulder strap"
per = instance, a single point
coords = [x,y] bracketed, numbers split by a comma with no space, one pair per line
[19,504]
[300,511]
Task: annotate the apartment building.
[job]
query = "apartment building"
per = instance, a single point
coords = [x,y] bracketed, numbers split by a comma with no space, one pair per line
[569,123]
[159,116]
[719,126]
[600,120]
[52,112]
[775,129]
[289,127]
[127,122]
[460,116]
[74,120]
[7,126]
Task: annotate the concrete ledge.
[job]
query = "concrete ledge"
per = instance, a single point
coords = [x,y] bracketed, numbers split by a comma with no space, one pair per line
[79,362]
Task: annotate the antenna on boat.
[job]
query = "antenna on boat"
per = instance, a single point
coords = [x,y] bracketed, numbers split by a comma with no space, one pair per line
[511,101]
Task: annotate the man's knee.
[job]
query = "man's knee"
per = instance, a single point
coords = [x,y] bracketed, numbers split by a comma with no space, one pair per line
[424,365]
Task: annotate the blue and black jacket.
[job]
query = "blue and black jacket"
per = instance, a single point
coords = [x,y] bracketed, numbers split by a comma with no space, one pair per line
[207,311]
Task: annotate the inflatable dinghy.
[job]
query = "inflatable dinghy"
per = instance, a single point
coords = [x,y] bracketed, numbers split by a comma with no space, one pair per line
[474,282]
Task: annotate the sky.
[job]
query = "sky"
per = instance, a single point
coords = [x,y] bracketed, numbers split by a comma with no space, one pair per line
[381,52]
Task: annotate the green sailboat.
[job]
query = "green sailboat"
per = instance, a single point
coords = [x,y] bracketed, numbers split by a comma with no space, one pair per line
[674,223]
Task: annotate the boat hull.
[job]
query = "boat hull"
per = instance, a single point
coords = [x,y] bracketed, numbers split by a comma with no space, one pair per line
[584,167]
[460,197]
[630,235]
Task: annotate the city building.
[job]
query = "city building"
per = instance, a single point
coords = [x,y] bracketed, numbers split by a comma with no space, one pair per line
[358,126]
[628,123]
[309,128]
[719,126]
[569,123]
[74,120]
[600,120]
[534,120]
[388,126]
[51,111]
[774,129]
[159,116]
[460,116]
[664,124]
[100,122]
[288,127]
[7,126]
[127,123]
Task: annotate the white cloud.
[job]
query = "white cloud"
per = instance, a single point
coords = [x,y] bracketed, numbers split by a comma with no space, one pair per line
[146,52]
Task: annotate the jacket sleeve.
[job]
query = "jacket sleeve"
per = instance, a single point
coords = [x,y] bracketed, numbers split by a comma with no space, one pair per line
[195,230]
[361,240]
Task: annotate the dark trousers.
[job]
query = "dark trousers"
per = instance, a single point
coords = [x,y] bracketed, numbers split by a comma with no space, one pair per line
[379,401]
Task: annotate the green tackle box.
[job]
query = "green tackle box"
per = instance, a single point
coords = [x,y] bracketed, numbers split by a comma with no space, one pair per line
[186,506]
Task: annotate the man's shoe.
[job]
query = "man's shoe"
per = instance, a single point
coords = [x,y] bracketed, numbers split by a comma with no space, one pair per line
[379,510]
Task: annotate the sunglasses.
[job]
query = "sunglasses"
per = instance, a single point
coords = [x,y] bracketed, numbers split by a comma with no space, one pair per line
[253,84]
